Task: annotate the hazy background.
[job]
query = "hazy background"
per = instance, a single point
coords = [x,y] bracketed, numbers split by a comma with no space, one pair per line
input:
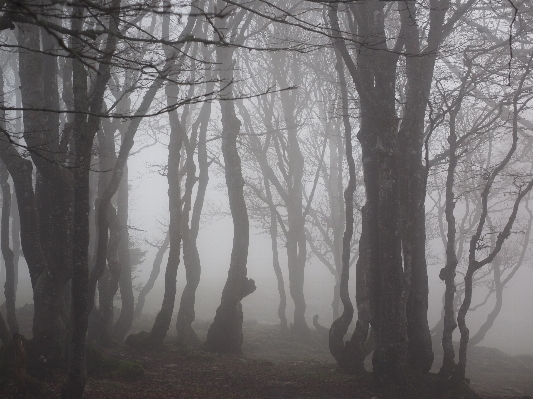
[512,331]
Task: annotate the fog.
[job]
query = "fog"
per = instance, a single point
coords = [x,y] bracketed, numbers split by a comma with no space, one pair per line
[511,332]
[266,199]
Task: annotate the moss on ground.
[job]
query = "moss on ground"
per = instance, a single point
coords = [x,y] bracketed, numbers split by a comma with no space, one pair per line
[101,365]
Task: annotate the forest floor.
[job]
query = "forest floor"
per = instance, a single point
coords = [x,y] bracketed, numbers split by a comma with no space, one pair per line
[274,366]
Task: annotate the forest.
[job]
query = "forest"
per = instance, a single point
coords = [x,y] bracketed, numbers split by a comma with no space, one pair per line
[266,199]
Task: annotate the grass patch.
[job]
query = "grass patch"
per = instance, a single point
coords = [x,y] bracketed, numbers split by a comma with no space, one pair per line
[101,365]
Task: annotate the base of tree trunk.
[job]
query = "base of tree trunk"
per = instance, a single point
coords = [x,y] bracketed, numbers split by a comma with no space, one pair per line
[225,333]
[98,333]
[46,353]
[319,328]
[187,336]
[300,327]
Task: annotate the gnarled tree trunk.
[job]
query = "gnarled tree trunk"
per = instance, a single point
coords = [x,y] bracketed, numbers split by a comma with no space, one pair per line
[225,333]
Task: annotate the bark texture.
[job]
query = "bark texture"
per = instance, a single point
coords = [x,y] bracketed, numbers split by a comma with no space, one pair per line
[85,129]
[225,333]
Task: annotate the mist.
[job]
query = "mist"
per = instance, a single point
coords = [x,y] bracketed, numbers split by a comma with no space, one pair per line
[266,199]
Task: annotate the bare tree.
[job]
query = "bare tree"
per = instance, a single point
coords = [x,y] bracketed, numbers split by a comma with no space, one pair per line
[225,333]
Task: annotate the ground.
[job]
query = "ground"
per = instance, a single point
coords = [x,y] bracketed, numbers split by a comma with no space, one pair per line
[273,366]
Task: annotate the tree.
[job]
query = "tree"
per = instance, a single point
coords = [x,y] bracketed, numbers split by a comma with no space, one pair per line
[522,186]
[66,56]
[225,333]
[190,229]
[177,137]
[156,268]
[7,252]
[395,186]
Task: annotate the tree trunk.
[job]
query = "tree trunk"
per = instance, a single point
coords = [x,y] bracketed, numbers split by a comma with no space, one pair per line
[125,320]
[296,241]
[349,355]
[7,253]
[156,268]
[169,69]
[15,237]
[275,261]
[225,333]
[473,263]
[177,136]
[162,321]
[449,271]
[108,283]
[260,152]
[413,177]
[191,257]
[51,202]
[85,128]
[491,318]
[334,189]
[102,320]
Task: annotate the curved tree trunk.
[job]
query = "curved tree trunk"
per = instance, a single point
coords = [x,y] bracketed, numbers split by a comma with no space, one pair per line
[177,136]
[125,320]
[102,319]
[296,242]
[7,253]
[108,283]
[156,268]
[491,318]
[499,284]
[163,318]
[260,152]
[168,69]
[15,224]
[15,237]
[375,81]
[191,257]
[448,273]
[336,205]
[225,333]
[186,314]
[474,264]
[343,353]
[275,261]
